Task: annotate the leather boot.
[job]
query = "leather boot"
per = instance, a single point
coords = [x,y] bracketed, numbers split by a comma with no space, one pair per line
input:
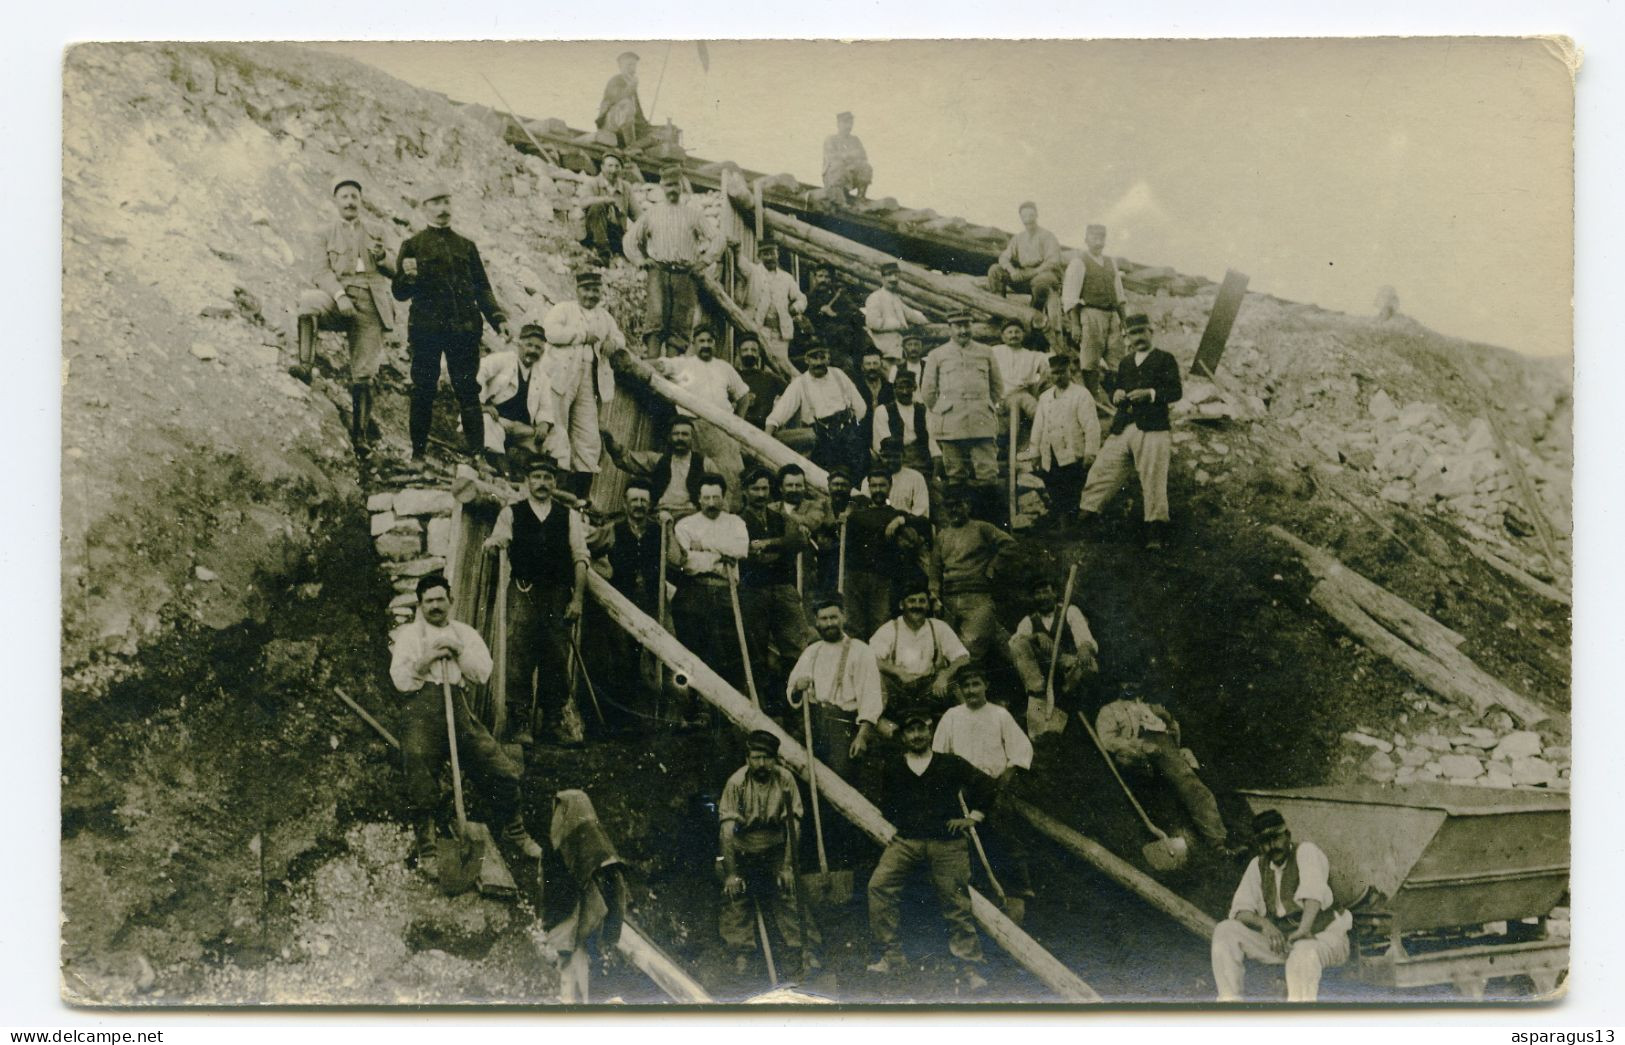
[358,431]
[304,369]
[423,847]
[514,834]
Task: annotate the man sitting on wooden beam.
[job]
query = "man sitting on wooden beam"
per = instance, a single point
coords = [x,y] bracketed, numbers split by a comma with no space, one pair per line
[1031,262]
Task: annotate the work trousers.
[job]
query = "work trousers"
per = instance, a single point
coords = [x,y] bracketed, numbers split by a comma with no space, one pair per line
[1044,285]
[703,616]
[538,656]
[574,441]
[364,328]
[1065,485]
[1146,454]
[736,921]
[1100,338]
[850,176]
[1233,943]
[777,631]
[670,303]
[868,601]
[974,619]
[1031,655]
[1169,763]
[422,724]
[970,460]
[605,228]
[462,354]
[948,864]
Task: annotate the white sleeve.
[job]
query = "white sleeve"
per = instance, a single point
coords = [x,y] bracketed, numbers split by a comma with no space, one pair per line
[1314,875]
[943,741]
[949,643]
[1249,896]
[1081,635]
[1018,750]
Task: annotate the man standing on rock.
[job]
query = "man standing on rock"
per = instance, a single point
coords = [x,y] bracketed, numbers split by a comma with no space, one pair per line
[760,811]
[673,243]
[1092,296]
[921,794]
[962,390]
[582,337]
[426,652]
[442,275]
[350,266]
[547,558]
[1146,382]
[1031,262]
[887,317]
[846,165]
[612,203]
[1283,913]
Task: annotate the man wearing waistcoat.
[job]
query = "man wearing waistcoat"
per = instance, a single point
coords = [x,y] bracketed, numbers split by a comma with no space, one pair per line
[349,292]
[1283,913]
[1146,382]
[904,418]
[673,476]
[517,401]
[547,559]
[1092,298]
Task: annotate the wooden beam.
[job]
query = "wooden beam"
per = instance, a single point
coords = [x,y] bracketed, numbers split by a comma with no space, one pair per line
[667,974]
[837,792]
[737,316]
[1523,577]
[1119,870]
[1219,321]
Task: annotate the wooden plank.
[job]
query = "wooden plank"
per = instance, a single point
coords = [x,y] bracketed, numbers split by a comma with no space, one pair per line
[742,321]
[1217,334]
[1119,870]
[1528,580]
[666,974]
[837,792]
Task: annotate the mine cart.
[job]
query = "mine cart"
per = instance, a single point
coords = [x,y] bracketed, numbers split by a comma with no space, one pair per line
[1448,884]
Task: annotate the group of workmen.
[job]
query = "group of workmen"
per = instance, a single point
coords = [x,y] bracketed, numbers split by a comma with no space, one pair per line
[873,604]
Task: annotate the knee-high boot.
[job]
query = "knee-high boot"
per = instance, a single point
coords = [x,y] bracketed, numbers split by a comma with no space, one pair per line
[305,368]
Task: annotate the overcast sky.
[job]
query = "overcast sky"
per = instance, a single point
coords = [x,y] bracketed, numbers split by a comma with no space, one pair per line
[1323,169]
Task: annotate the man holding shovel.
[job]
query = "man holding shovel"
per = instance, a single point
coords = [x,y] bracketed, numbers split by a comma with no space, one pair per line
[1032,648]
[428,652]
[760,810]
[1145,738]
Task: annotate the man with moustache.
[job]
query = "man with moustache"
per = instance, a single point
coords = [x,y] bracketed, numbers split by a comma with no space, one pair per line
[715,382]
[1092,298]
[517,401]
[612,203]
[704,546]
[776,627]
[582,338]
[1065,440]
[1032,262]
[672,241]
[904,419]
[962,390]
[775,298]
[673,475]
[764,383]
[887,317]
[918,654]
[839,675]
[828,410]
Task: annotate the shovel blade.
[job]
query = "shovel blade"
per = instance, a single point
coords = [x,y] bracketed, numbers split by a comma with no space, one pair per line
[828,889]
[1044,717]
[458,861]
[1166,854]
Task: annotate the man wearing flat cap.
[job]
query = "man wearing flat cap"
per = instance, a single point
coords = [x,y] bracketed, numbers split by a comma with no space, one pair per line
[1032,262]
[611,201]
[1092,298]
[776,300]
[825,410]
[887,317]
[620,111]
[1065,439]
[673,242]
[582,338]
[442,275]
[962,390]
[761,812]
[1283,913]
[349,291]
[1141,440]
[846,166]
[516,398]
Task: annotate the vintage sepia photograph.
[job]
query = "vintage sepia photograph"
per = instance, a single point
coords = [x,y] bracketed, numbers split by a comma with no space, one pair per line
[795,522]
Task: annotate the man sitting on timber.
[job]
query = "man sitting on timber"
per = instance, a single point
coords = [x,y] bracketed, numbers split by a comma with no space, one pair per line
[1092,297]
[425,652]
[834,317]
[761,812]
[1145,738]
[546,544]
[904,418]
[349,292]
[516,397]
[719,385]
[776,625]
[1033,645]
[673,242]
[582,338]
[920,793]
[918,655]
[882,544]
[1032,262]
[612,203]
[1146,382]
[673,476]
[764,382]
[1283,913]
[962,389]
[704,547]
[987,736]
[775,297]
[838,674]
[965,557]
[1065,440]
[828,411]
[887,317]
[846,165]
[620,111]
[910,493]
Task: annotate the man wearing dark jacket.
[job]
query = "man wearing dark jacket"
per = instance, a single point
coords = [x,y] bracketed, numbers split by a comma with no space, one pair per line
[1146,381]
[442,275]
[920,793]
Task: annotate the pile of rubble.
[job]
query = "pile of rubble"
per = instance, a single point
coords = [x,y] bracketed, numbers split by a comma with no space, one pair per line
[411,529]
[1488,753]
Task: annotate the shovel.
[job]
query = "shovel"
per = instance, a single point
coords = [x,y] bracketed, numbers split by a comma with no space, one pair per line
[767,947]
[1013,909]
[739,628]
[1041,714]
[1168,852]
[458,859]
[829,888]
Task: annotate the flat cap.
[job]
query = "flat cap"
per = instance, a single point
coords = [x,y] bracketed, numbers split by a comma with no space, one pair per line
[541,463]
[763,741]
[1092,229]
[1139,321]
[961,315]
[916,715]
[624,55]
[589,279]
[1268,822]
[532,329]
[671,176]
[347,178]
[888,267]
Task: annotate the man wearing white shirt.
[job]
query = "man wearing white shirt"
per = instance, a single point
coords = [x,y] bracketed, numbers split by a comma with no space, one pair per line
[1065,439]
[1031,262]
[905,418]
[1021,369]
[582,337]
[886,317]
[775,298]
[839,675]
[425,652]
[909,491]
[828,411]
[704,547]
[547,551]
[918,655]
[1032,646]
[1283,913]
[716,382]
[1146,738]
[516,397]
